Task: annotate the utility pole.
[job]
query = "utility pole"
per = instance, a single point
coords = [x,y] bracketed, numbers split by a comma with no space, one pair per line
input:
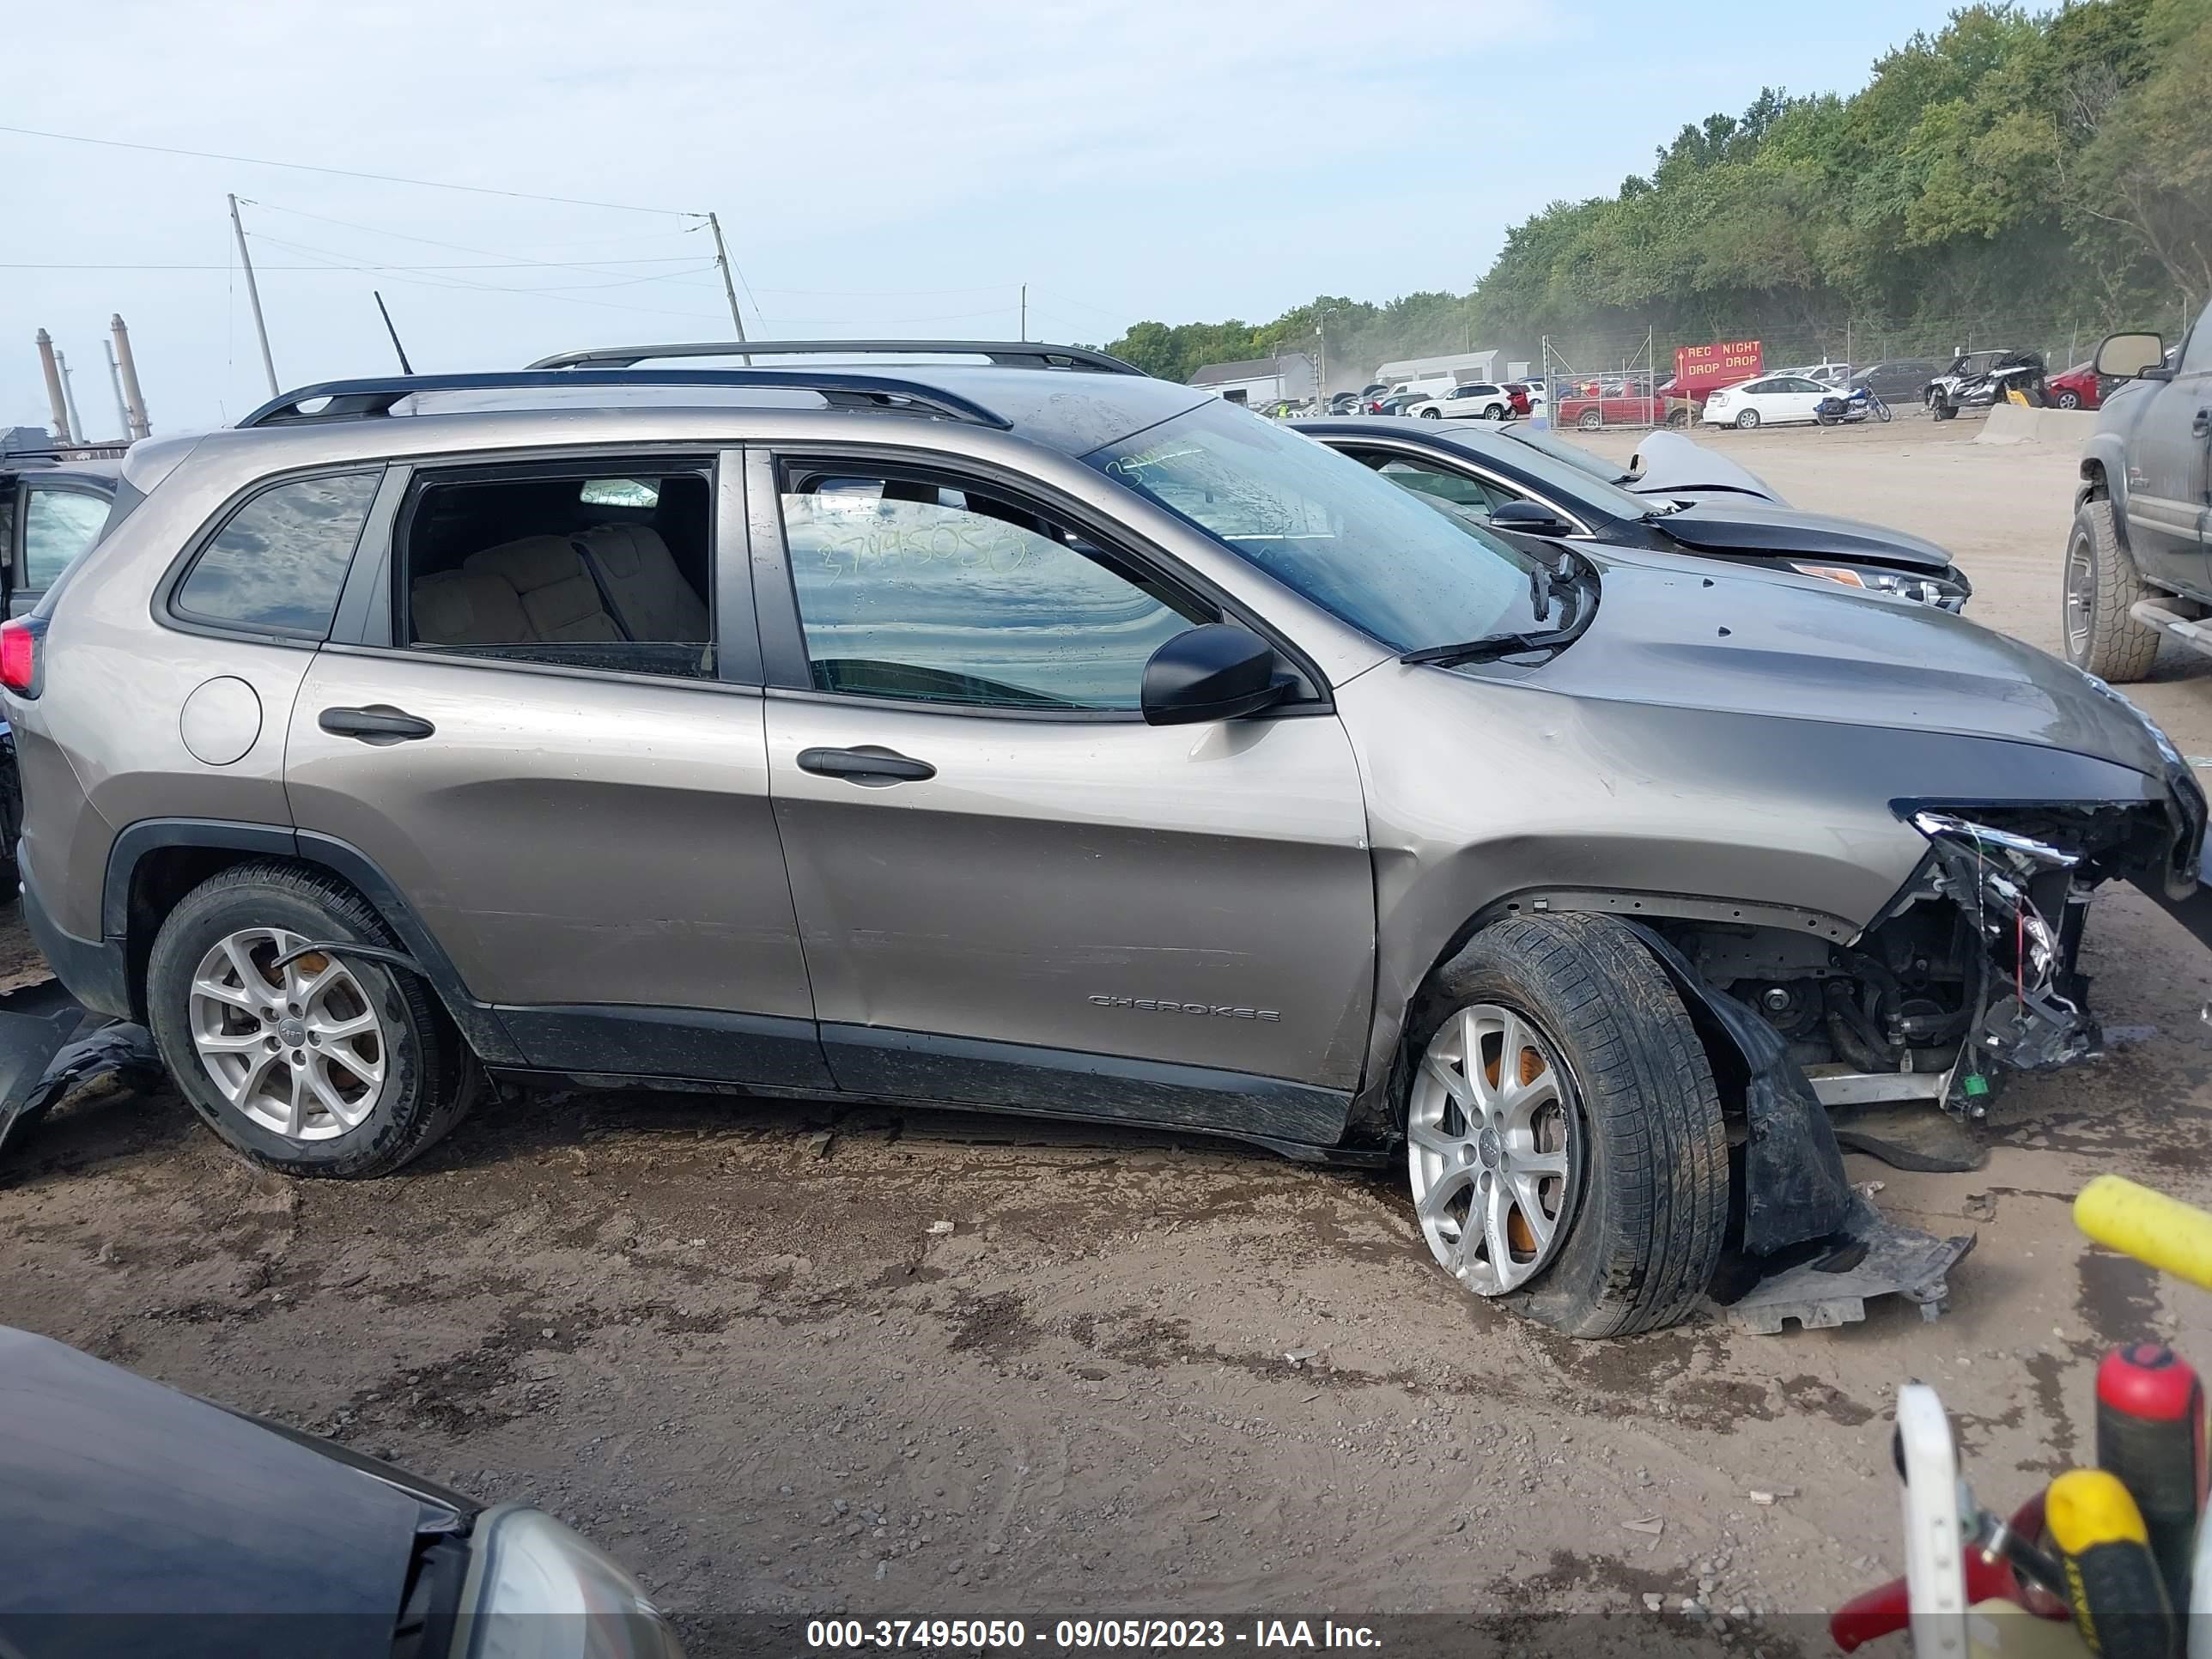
[134,401]
[254,297]
[68,395]
[1025,311]
[115,385]
[729,288]
[55,401]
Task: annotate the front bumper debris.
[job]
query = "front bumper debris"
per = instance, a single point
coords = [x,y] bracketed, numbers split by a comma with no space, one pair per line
[1811,1249]
[49,1045]
[1876,1257]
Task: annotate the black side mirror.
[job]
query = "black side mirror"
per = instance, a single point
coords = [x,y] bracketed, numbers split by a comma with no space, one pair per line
[1530,518]
[1216,672]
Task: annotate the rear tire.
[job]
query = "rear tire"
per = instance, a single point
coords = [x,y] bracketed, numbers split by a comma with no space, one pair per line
[2097,593]
[1637,1221]
[1496,412]
[1590,420]
[1747,420]
[426,1080]
[1432,414]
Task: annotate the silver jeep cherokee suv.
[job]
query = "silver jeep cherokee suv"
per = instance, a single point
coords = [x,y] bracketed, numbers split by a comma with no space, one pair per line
[1026,733]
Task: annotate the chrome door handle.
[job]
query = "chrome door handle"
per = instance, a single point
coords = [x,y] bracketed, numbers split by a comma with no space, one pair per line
[378,723]
[869,765]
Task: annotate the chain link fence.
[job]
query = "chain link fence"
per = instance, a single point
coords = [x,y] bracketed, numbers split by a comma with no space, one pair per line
[1619,377]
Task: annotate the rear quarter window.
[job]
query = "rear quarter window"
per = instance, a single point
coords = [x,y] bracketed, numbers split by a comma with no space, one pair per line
[278,563]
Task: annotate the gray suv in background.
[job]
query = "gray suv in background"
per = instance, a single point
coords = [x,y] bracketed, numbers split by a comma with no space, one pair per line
[1024,733]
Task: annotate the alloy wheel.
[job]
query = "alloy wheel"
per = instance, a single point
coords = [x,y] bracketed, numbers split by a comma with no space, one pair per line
[2080,590]
[1492,1148]
[297,1049]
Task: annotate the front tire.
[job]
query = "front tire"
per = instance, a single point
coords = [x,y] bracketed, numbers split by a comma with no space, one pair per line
[2069,399]
[1565,1141]
[2101,587]
[1746,419]
[1432,414]
[1590,420]
[1496,412]
[1942,409]
[332,1065]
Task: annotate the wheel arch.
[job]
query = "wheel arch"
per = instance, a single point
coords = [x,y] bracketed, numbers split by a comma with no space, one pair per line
[2104,478]
[1379,1109]
[154,863]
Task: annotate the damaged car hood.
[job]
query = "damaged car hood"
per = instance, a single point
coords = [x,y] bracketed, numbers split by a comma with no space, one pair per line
[1678,632]
[1746,526]
[1669,464]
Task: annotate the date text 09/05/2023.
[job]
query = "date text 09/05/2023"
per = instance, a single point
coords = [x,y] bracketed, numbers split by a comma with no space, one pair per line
[985,1635]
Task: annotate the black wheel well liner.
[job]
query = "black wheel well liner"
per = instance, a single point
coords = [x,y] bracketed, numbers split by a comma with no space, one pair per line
[1378,1111]
[154,863]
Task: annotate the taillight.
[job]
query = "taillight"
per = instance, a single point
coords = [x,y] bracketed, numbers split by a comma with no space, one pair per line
[19,656]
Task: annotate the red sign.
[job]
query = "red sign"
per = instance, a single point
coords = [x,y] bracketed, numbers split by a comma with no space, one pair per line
[1701,369]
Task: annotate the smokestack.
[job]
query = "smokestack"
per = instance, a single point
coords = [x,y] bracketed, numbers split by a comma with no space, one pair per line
[69,396]
[134,401]
[115,386]
[54,400]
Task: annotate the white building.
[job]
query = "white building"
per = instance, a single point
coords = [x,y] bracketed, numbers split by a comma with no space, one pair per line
[1457,368]
[1260,381]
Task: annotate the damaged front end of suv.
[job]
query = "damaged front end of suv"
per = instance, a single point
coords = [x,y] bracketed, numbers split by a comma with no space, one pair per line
[1972,972]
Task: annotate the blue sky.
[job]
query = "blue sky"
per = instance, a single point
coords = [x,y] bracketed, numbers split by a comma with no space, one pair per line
[878,168]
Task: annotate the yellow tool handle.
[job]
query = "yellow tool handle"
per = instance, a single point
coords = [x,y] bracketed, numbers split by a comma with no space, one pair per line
[2160,1231]
[2112,1582]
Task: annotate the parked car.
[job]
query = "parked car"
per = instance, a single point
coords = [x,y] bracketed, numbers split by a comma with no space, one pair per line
[2135,566]
[143,1521]
[1835,376]
[1897,379]
[52,508]
[1548,487]
[1771,400]
[1612,402]
[1035,735]
[1344,403]
[1478,400]
[1976,379]
[1525,399]
[1399,402]
[2079,387]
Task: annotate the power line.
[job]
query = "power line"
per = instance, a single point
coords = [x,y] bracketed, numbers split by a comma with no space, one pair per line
[339,263]
[431,241]
[350,262]
[344,172]
[509,265]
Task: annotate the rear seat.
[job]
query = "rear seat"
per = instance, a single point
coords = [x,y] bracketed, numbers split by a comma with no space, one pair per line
[556,592]
[638,574]
[461,607]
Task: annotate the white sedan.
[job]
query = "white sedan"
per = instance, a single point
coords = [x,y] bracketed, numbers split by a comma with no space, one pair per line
[1774,400]
[1477,400]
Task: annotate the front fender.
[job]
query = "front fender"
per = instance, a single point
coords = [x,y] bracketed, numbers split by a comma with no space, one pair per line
[1484,794]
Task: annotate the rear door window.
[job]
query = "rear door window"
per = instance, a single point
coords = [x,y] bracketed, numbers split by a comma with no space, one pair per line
[278,563]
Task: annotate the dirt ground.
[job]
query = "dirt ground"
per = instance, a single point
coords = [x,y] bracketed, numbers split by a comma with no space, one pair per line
[782,1360]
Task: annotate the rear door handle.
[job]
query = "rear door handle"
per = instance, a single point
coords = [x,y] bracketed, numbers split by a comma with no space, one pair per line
[2201,426]
[870,764]
[378,723]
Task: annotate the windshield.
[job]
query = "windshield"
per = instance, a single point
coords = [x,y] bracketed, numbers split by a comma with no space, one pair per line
[1367,552]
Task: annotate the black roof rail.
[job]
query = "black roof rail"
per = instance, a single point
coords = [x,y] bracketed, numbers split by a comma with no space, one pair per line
[351,400]
[1006,354]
